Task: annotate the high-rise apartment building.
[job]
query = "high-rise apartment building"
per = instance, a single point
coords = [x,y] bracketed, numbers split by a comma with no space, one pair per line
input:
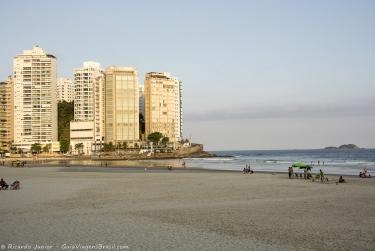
[88,125]
[84,86]
[6,114]
[65,89]
[35,101]
[163,105]
[121,105]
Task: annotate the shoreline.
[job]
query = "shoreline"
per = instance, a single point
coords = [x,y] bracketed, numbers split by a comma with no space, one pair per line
[164,168]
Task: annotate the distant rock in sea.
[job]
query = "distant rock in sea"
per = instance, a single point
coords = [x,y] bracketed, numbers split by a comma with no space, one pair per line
[347,146]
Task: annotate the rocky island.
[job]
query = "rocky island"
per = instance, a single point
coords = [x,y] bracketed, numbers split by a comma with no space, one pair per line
[343,147]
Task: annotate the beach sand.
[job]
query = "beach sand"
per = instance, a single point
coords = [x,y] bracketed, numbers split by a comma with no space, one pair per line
[184,210]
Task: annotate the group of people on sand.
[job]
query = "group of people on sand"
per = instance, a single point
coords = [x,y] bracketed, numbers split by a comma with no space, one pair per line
[14,186]
[308,175]
[248,169]
[322,177]
[364,174]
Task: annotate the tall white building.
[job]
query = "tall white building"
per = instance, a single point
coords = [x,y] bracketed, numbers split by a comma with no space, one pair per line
[88,125]
[35,101]
[84,86]
[65,89]
[163,105]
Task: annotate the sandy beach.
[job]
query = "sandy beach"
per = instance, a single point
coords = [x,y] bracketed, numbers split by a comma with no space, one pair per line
[58,208]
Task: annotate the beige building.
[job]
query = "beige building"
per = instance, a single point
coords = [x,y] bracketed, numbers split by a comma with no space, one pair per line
[6,114]
[163,105]
[88,108]
[65,89]
[99,110]
[121,105]
[35,100]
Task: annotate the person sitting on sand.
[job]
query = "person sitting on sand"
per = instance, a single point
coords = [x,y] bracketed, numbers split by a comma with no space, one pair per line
[15,185]
[365,174]
[341,180]
[3,184]
[247,169]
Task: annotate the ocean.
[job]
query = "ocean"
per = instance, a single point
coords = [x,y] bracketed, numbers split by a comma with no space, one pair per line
[335,161]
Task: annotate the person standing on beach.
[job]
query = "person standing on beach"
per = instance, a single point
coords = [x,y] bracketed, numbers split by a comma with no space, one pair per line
[290,172]
[321,175]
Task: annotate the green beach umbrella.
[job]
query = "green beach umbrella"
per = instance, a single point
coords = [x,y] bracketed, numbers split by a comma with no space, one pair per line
[302,166]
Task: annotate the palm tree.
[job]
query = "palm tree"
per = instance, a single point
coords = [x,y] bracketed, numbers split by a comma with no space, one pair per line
[78,147]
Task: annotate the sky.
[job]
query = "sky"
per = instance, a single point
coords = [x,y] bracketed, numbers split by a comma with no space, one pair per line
[256,74]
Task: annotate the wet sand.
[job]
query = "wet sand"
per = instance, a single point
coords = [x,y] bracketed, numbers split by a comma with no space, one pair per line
[184,210]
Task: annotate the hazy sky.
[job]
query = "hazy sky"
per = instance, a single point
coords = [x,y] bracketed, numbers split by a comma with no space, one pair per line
[256,74]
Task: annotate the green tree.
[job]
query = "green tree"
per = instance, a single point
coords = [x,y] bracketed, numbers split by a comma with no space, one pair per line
[36,148]
[124,145]
[108,147]
[165,141]
[64,145]
[65,115]
[13,149]
[46,148]
[79,147]
[155,137]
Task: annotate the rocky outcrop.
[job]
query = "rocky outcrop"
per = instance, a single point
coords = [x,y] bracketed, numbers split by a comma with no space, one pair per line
[344,147]
[348,146]
[194,151]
